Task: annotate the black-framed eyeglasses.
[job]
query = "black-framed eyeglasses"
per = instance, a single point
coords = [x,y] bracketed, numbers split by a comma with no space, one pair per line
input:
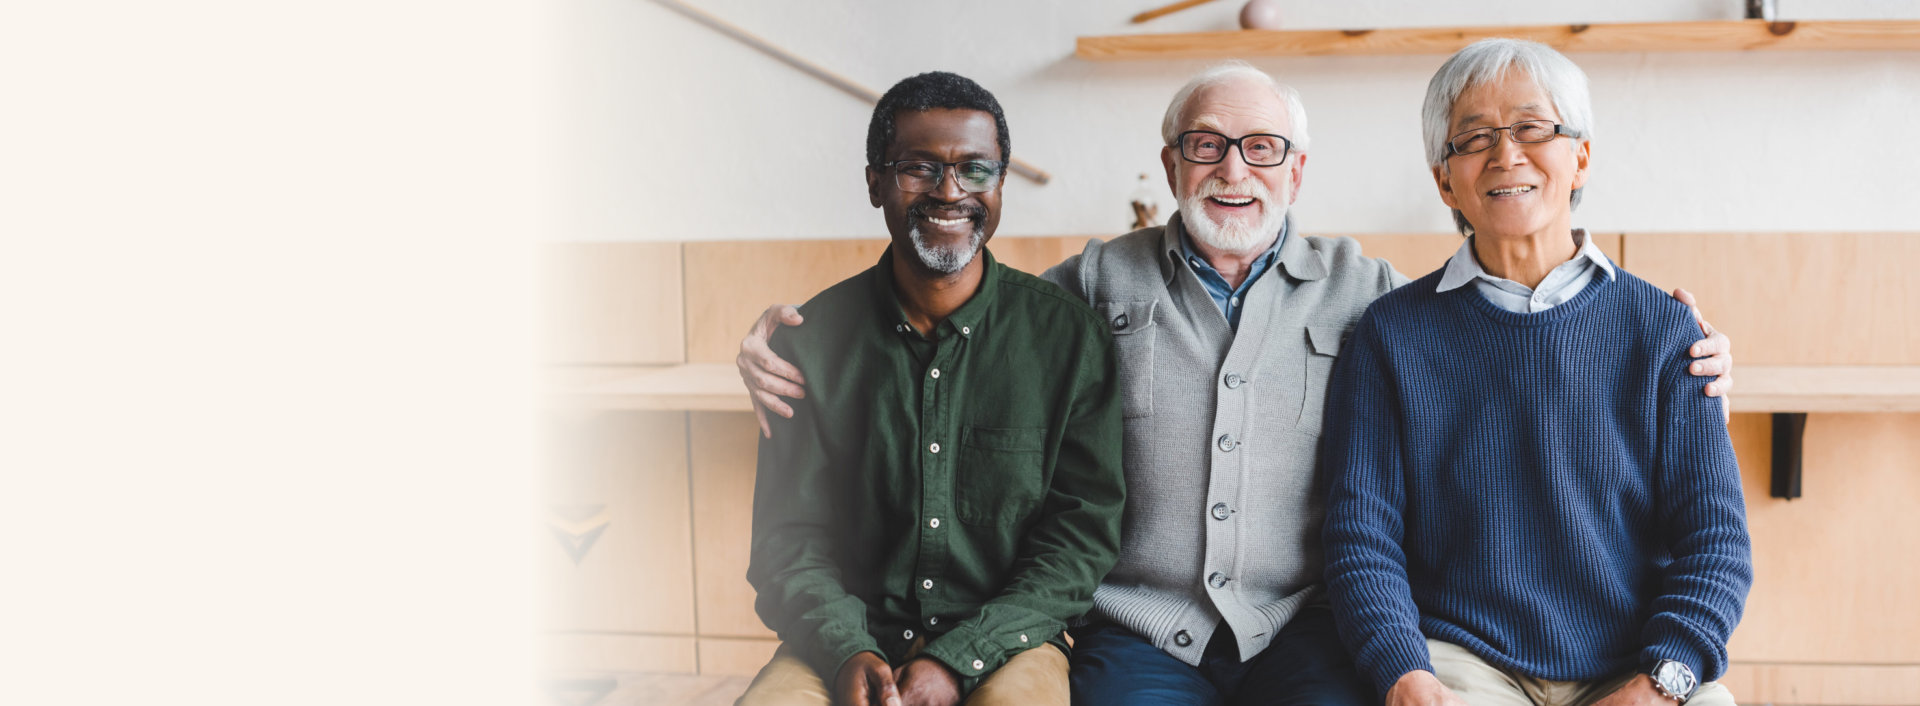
[920,176]
[1257,150]
[1527,131]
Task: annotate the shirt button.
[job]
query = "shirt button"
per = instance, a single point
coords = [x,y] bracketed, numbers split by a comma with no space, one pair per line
[901,328]
[934,447]
[1227,443]
[935,373]
[1023,638]
[1233,301]
[1220,511]
[928,584]
[1217,580]
[966,330]
[935,620]
[1233,380]
[1182,638]
[934,523]
[977,664]
[908,634]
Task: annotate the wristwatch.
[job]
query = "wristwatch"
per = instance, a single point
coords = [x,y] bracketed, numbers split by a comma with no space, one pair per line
[1673,680]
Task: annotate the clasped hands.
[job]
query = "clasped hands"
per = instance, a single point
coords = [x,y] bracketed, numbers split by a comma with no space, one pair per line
[866,680]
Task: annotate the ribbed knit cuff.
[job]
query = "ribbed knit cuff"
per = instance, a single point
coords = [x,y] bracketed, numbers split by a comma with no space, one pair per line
[1675,647]
[1387,658]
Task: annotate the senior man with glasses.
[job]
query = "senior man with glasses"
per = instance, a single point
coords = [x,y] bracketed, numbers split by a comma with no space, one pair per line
[1532,502]
[1227,323]
[950,494]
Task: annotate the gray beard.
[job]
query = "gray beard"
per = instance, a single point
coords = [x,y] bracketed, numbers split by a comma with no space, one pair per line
[948,260]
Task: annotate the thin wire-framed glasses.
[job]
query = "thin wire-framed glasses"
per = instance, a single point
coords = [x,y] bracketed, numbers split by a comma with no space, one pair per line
[920,176]
[1257,150]
[1527,131]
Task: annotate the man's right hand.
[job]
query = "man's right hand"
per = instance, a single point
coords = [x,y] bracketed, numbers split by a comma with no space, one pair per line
[1421,688]
[865,680]
[767,376]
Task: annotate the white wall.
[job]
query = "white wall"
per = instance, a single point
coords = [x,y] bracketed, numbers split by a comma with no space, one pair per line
[676,132]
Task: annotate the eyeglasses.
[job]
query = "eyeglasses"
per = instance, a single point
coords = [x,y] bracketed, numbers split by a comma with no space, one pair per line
[1527,131]
[974,175]
[1257,150]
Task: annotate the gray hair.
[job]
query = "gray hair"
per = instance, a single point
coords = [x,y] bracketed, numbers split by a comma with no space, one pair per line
[1487,61]
[1231,70]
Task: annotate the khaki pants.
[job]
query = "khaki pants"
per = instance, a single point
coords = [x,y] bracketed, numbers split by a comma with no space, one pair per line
[1479,683]
[1037,676]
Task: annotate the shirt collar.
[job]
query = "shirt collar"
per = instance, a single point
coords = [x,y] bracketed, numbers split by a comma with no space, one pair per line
[1294,254]
[967,321]
[1464,267]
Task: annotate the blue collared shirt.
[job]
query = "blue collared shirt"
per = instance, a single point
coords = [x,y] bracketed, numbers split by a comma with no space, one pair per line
[1224,295]
[1560,285]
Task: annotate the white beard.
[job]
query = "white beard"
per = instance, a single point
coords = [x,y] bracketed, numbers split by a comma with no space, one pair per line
[1236,235]
[946,260]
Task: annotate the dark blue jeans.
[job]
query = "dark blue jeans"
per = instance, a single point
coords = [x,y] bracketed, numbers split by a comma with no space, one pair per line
[1305,664]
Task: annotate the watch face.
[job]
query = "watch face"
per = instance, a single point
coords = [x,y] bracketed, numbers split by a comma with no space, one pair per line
[1675,677]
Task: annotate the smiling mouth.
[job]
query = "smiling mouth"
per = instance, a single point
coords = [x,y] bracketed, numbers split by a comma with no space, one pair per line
[1511,191]
[948,221]
[1231,201]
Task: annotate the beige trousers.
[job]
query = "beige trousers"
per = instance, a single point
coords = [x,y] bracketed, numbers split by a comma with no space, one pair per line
[1037,676]
[1480,683]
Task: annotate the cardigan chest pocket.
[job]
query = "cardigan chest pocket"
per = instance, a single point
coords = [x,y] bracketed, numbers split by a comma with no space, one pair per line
[1133,334]
[1323,346]
[1000,479]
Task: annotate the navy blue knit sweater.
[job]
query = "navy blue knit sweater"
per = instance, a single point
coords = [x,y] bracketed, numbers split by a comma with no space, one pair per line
[1551,491]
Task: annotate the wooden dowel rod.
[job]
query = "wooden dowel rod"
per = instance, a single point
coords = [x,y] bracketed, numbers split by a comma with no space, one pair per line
[1167,10]
[843,83]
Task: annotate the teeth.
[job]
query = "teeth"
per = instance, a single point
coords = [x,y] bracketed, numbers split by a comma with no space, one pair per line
[1233,202]
[1510,191]
[946,222]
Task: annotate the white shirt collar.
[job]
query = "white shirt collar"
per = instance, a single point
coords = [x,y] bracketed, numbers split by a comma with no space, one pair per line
[1463,267]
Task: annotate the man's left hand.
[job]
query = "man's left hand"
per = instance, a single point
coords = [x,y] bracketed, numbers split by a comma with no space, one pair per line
[924,681]
[1638,692]
[1713,355]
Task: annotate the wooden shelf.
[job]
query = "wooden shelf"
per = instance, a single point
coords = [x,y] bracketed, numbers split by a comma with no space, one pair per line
[1825,388]
[699,387]
[716,387]
[1728,35]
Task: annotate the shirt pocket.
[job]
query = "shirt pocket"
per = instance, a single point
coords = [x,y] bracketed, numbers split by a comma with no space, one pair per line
[1323,347]
[999,481]
[1133,334]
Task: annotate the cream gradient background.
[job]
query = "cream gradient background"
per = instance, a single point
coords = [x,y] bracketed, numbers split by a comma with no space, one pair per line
[264,308]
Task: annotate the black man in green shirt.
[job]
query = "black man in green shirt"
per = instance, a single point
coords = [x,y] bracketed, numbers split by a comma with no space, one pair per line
[949,492]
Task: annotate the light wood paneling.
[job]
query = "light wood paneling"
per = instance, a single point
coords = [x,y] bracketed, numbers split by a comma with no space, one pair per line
[613,303]
[730,283]
[725,448]
[1723,35]
[1850,684]
[1417,254]
[1834,573]
[1824,388]
[585,652]
[739,658]
[616,494]
[1796,298]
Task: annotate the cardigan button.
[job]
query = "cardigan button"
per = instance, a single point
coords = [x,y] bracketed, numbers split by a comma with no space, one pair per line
[1233,380]
[1217,580]
[1119,322]
[1220,511]
[1227,443]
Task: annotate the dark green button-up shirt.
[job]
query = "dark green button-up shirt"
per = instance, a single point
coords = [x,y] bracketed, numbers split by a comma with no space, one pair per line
[962,487]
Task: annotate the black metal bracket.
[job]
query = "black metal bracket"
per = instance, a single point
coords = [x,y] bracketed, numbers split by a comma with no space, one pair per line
[1788,430]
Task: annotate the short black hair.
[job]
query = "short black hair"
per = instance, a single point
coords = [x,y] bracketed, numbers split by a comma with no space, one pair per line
[929,91]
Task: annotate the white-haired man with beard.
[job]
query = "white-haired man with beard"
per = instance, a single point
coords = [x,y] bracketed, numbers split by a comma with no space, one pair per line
[1227,323]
